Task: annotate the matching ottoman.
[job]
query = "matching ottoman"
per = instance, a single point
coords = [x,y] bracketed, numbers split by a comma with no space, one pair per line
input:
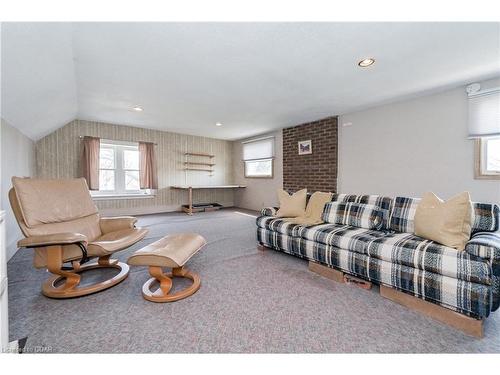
[171,251]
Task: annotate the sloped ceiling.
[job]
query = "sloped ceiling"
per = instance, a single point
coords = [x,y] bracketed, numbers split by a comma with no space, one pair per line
[37,77]
[252,77]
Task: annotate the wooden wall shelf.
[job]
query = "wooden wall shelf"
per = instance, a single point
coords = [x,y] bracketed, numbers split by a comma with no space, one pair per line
[195,163]
[198,169]
[199,154]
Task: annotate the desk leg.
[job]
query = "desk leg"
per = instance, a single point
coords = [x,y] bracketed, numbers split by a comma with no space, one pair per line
[190,192]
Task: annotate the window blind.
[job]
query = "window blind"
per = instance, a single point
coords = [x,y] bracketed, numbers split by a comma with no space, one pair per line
[262,148]
[484,113]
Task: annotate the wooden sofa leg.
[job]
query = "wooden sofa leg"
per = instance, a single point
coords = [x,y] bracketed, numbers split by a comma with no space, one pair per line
[328,272]
[464,323]
[261,247]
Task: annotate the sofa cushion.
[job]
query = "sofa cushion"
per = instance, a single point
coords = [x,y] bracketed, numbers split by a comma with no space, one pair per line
[485,245]
[486,217]
[413,251]
[359,215]
[385,203]
[269,211]
[342,236]
[279,225]
[403,214]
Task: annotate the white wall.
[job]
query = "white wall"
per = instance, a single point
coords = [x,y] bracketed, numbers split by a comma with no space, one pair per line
[259,192]
[17,159]
[411,147]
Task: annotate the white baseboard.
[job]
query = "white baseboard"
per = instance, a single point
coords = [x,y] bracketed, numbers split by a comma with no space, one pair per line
[11,249]
[147,210]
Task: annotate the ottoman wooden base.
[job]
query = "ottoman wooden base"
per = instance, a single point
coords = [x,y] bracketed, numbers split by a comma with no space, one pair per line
[172,251]
[162,294]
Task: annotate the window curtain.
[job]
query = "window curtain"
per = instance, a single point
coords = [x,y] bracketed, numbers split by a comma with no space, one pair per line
[148,177]
[90,161]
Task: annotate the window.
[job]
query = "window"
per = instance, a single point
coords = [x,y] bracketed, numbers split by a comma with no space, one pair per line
[484,113]
[119,169]
[488,158]
[258,157]
[484,127]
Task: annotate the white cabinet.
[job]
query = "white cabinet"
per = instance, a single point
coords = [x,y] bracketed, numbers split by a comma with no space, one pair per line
[4,316]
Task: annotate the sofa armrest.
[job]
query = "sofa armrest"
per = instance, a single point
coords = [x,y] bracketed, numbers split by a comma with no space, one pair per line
[112,224]
[52,239]
[485,245]
[269,211]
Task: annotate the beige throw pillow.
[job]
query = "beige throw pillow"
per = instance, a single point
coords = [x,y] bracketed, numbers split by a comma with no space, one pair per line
[314,210]
[316,205]
[292,205]
[448,223]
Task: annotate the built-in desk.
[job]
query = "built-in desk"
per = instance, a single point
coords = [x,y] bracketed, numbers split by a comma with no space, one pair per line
[189,188]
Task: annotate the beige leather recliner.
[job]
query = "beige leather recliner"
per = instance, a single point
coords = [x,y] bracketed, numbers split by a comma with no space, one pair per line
[61,222]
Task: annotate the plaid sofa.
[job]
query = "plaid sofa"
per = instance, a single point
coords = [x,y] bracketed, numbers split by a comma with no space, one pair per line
[464,281]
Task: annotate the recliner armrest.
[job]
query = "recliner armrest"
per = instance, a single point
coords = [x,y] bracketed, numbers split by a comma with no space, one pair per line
[269,211]
[52,239]
[485,245]
[112,224]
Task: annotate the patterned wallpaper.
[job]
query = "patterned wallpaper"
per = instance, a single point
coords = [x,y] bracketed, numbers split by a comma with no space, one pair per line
[58,155]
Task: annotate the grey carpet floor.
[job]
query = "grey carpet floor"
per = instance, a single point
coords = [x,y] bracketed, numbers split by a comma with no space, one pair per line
[249,301]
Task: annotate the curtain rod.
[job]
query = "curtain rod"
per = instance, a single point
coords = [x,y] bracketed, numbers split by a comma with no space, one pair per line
[117,140]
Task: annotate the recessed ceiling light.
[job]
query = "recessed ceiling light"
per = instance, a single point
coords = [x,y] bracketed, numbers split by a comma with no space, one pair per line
[218,124]
[137,108]
[366,62]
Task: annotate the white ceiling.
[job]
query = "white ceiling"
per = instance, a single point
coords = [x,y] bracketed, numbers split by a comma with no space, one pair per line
[252,77]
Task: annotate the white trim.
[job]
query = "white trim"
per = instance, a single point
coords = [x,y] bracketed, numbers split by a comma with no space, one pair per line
[484,92]
[483,150]
[483,136]
[3,285]
[119,143]
[148,210]
[121,196]
[11,249]
[271,158]
[4,295]
[258,139]
[246,175]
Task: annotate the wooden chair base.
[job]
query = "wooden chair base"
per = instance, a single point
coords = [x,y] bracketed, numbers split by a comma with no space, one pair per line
[70,288]
[162,294]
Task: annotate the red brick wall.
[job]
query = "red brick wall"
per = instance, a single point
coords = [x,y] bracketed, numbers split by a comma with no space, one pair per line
[316,171]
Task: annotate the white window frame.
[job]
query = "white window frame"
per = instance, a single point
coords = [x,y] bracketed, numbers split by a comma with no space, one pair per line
[120,192]
[481,172]
[247,175]
[267,158]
